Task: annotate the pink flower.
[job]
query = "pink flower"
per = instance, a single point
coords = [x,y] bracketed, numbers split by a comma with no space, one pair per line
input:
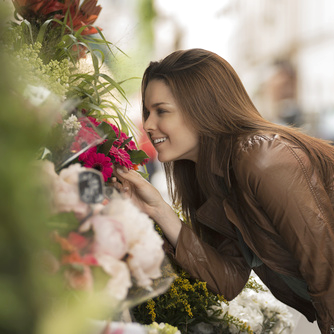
[109,236]
[77,249]
[145,161]
[99,162]
[84,156]
[121,156]
[86,136]
[122,138]
[93,120]
[115,128]
[131,146]
[145,253]
[65,191]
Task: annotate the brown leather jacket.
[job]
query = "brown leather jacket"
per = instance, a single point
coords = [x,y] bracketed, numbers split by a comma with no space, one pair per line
[285,217]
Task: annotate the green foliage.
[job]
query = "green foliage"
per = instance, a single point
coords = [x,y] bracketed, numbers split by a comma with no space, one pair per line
[185,304]
[254,285]
[30,68]
[23,209]
[52,55]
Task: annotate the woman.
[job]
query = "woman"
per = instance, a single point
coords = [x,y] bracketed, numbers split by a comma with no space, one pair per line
[259,196]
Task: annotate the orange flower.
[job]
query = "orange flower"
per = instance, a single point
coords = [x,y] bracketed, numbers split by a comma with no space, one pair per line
[34,9]
[81,15]
[76,249]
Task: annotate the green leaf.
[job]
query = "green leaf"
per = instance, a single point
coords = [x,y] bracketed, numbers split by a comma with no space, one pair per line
[144,175]
[42,31]
[107,43]
[137,156]
[95,61]
[27,25]
[113,83]
[125,142]
[107,130]
[105,147]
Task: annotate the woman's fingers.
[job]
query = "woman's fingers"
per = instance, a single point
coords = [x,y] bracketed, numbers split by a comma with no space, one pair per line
[130,176]
[120,184]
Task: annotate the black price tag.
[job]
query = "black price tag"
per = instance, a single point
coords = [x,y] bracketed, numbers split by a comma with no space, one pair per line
[91,186]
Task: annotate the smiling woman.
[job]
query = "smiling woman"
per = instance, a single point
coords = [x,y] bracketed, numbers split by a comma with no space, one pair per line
[173,137]
[247,186]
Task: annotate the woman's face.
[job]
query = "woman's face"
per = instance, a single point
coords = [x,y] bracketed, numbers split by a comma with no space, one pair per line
[172,136]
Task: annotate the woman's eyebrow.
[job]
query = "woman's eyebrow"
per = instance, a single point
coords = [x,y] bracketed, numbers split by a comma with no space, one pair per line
[157,104]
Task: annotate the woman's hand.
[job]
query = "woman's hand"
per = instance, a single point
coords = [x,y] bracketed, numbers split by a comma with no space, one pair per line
[149,200]
[142,193]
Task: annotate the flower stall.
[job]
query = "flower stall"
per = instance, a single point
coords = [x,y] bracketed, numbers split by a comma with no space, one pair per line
[97,257]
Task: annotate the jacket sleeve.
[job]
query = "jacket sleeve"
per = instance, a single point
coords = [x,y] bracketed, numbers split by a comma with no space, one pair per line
[281,180]
[222,266]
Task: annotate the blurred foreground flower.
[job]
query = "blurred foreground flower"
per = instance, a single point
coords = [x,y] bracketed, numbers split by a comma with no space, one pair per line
[103,248]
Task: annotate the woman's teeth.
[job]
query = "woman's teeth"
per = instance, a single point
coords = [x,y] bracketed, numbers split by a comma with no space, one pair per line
[160,140]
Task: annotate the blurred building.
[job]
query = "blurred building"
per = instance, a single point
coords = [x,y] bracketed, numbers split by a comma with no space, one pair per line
[284,53]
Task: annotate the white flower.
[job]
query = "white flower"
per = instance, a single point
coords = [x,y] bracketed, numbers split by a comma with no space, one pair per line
[109,236]
[120,281]
[144,243]
[72,125]
[254,308]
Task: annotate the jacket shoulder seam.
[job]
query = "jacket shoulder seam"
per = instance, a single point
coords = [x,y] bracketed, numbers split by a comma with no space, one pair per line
[307,179]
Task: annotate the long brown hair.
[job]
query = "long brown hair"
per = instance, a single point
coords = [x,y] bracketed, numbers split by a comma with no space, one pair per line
[215,102]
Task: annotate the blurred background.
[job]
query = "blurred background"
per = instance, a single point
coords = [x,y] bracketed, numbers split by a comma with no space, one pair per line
[283,51]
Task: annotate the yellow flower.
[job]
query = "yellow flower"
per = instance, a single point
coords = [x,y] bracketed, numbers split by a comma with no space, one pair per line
[151,307]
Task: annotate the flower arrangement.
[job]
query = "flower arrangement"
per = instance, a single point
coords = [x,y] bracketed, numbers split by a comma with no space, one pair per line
[93,143]
[102,248]
[260,310]
[100,243]
[192,308]
[91,118]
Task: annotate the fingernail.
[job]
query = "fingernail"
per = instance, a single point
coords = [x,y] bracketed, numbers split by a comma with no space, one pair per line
[120,171]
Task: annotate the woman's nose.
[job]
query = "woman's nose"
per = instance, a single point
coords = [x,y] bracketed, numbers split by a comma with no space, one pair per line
[149,124]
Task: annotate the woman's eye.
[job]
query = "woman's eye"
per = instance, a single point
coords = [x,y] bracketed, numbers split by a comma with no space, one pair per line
[160,111]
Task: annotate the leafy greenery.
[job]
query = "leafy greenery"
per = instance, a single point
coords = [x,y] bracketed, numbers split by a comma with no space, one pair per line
[186,304]
[69,64]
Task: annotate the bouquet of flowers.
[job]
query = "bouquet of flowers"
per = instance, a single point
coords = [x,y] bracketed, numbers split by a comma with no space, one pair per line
[100,243]
[93,143]
[193,309]
[104,248]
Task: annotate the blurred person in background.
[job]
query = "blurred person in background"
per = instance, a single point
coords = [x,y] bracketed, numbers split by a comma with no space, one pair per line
[259,196]
[282,88]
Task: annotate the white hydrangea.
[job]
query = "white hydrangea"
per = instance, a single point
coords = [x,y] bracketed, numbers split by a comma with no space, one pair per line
[254,308]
